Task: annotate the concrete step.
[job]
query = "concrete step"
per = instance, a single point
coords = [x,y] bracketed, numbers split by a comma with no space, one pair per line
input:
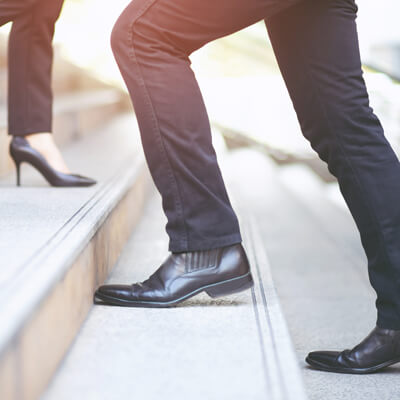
[318,267]
[75,115]
[242,118]
[235,347]
[57,245]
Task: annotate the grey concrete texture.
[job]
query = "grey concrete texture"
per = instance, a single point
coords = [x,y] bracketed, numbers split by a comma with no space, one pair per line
[150,353]
[31,214]
[202,349]
[319,270]
[36,220]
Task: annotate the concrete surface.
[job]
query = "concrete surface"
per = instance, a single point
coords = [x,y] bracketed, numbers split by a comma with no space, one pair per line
[31,214]
[318,267]
[233,348]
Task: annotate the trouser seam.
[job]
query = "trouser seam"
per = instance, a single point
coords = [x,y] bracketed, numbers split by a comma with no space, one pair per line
[147,98]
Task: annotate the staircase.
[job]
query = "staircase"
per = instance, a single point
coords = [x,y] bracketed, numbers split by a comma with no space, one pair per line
[58,244]
[234,347]
[318,267]
[309,270]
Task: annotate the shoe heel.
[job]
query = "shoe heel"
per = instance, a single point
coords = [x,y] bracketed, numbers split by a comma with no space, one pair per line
[18,166]
[232,286]
[16,160]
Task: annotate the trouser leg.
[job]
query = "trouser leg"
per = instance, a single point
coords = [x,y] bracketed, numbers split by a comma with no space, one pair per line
[10,9]
[317,49]
[30,61]
[152,41]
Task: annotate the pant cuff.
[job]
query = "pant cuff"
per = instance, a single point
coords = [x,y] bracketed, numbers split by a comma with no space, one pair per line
[386,323]
[206,244]
[16,131]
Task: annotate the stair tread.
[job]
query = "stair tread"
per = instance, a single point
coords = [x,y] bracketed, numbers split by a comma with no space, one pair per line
[296,218]
[199,350]
[48,226]
[318,267]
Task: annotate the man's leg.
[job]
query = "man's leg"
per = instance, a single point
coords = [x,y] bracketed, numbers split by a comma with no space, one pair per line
[152,42]
[317,49]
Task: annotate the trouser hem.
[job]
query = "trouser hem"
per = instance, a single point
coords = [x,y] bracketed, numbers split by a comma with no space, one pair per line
[30,131]
[386,323]
[206,244]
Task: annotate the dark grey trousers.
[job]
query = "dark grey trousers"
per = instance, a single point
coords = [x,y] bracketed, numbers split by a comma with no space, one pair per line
[30,61]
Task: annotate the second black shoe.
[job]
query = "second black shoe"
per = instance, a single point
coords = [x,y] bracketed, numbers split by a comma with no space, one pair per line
[217,272]
[378,350]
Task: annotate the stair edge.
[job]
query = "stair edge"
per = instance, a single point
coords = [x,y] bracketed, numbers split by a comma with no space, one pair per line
[29,352]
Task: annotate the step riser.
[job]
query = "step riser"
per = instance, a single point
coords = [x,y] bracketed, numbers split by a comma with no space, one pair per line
[74,125]
[32,358]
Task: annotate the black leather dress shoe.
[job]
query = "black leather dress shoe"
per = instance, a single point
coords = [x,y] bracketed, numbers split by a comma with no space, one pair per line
[378,350]
[217,272]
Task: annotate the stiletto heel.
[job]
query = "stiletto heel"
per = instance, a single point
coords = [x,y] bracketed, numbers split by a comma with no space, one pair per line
[21,151]
[18,166]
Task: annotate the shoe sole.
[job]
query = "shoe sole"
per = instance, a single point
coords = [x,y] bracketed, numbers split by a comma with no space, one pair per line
[357,371]
[224,288]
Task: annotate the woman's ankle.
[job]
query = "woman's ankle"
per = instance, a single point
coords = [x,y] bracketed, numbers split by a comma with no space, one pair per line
[44,143]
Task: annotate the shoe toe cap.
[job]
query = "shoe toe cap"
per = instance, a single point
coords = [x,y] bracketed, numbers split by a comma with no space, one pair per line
[326,358]
[85,181]
[118,291]
[89,182]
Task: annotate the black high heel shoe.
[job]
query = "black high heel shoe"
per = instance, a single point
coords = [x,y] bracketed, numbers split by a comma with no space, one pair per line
[21,151]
